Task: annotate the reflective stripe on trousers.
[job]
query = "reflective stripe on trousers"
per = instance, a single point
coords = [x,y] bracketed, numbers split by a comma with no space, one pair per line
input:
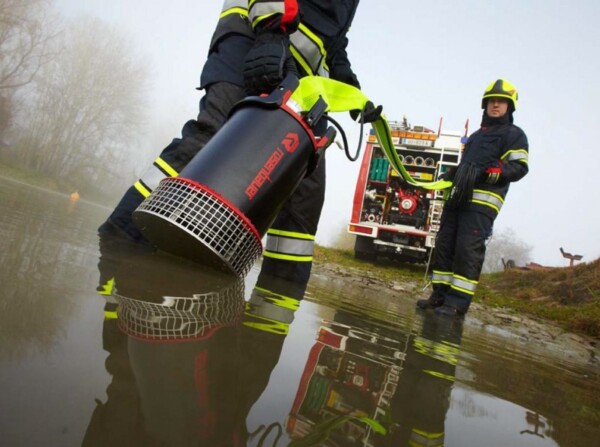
[425,439]
[463,285]
[439,277]
[289,246]
[152,177]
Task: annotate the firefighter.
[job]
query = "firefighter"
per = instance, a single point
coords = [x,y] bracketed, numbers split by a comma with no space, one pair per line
[494,156]
[253,47]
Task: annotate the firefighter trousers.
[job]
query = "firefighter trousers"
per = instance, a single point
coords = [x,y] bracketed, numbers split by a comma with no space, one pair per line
[290,242]
[459,254]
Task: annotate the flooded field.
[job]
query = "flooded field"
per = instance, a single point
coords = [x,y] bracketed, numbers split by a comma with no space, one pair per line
[107,343]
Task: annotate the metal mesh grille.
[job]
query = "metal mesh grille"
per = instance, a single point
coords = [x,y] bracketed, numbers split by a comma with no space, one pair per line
[208,218]
[181,318]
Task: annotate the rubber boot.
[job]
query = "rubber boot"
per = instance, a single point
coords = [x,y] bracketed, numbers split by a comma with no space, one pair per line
[454,306]
[120,221]
[436,299]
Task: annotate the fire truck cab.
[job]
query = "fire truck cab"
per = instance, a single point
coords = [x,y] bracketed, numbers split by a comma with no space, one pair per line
[391,217]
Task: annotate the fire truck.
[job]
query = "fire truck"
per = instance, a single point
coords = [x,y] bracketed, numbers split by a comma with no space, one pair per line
[390,217]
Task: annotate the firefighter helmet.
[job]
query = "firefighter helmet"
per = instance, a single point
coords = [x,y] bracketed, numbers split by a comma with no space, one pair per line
[501,89]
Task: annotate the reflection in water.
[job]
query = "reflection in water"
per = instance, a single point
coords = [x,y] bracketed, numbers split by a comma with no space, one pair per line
[187,355]
[421,402]
[402,382]
[37,262]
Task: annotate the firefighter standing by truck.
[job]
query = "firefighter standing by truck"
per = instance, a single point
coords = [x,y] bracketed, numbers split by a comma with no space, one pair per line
[253,47]
[495,156]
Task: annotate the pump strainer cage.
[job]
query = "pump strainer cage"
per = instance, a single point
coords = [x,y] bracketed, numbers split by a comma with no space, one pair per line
[221,235]
[181,318]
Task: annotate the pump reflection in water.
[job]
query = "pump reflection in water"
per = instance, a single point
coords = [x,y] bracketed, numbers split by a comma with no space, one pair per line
[187,355]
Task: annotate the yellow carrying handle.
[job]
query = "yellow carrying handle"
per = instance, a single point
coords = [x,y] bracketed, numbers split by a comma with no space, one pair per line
[341,97]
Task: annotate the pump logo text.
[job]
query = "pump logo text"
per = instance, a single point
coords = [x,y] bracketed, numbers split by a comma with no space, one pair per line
[290,143]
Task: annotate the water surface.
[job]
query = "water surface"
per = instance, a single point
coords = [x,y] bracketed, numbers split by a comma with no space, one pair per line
[107,343]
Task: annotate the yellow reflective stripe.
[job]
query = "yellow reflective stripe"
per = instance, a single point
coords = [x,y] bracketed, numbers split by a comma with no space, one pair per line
[310,237]
[314,38]
[166,167]
[465,279]
[261,18]
[516,154]
[423,438]
[439,375]
[281,300]
[460,289]
[464,285]
[141,188]
[300,59]
[107,288]
[441,277]
[494,207]
[110,315]
[240,11]
[487,198]
[274,327]
[268,254]
[309,51]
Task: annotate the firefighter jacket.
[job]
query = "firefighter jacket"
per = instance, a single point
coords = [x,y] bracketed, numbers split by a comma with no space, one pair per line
[317,30]
[504,147]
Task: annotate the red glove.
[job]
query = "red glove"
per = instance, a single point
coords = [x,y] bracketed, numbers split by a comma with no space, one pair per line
[494,173]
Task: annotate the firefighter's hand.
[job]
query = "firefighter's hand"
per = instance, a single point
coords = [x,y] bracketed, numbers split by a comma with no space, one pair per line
[493,174]
[267,62]
[370,113]
[448,175]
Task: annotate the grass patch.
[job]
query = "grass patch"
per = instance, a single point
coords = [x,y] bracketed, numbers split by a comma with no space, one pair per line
[568,296]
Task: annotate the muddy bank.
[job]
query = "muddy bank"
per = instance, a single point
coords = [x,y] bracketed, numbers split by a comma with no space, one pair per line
[534,335]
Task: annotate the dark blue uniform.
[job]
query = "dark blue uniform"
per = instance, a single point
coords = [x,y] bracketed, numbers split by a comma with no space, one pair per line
[317,32]
[461,242]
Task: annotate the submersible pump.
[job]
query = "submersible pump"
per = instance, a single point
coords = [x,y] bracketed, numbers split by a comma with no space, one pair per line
[222,203]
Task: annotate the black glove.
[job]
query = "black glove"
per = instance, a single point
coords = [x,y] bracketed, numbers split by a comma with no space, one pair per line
[370,113]
[267,63]
[448,175]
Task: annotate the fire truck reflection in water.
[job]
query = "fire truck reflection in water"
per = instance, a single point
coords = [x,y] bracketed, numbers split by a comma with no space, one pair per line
[400,382]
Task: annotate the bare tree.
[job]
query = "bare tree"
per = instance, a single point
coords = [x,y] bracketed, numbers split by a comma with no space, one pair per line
[505,246]
[24,38]
[87,106]
[25,33]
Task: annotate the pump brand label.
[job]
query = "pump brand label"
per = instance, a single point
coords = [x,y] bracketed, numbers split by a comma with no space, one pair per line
[290,143]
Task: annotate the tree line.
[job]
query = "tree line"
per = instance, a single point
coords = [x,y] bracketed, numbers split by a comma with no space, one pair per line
[72,97]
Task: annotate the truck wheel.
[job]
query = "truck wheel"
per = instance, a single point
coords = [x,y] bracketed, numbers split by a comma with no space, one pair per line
[364,249]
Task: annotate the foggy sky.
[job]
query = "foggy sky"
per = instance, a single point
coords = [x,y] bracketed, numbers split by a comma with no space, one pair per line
[427,60]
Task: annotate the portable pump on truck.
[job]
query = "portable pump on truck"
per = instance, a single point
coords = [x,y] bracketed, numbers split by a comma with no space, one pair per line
[390,216]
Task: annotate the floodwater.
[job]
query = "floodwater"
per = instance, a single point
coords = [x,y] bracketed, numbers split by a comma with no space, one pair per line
[105,343]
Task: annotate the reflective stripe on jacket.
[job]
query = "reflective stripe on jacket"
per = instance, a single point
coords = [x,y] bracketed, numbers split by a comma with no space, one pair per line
[504,145]
[318,42]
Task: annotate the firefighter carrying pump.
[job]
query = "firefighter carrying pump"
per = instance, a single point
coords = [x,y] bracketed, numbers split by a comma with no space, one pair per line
[223,202]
